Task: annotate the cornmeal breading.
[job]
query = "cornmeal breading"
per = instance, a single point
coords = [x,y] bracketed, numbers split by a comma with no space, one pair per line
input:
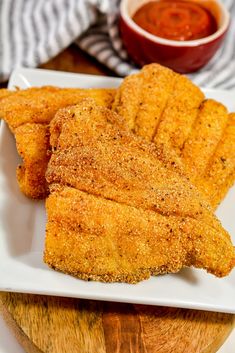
[157,104]
[126,101]
[32,142]
[157,85]
[204,137]
[4,92]
[39,104]
[193,128]
[28,113]
[220,170]
[118,209]
[142,98]
[180,113]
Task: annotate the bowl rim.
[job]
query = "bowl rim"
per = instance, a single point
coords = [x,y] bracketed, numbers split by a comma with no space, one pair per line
[159,40]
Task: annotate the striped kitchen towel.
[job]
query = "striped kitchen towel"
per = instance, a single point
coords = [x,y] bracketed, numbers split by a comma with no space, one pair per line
[33,31]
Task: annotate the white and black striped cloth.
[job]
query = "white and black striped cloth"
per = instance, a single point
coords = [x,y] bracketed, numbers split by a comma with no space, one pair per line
[33,31]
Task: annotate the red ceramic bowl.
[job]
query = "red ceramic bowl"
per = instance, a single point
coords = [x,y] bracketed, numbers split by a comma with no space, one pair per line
[181,56]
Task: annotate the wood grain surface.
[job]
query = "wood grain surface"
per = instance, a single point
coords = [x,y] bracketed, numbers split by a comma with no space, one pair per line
[44,324]
[53,324]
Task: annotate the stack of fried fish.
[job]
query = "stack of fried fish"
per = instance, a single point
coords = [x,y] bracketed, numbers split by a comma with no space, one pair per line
[131,176]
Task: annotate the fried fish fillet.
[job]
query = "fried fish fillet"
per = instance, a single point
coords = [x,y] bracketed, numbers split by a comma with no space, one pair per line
[33,145]
[220,170]
[119,208]
[206,133]
[39,104]
[28,113]
[4,92]
[167,108]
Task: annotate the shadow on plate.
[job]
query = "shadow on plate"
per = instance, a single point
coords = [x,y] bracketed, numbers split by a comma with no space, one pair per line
[187,275]
[33,259]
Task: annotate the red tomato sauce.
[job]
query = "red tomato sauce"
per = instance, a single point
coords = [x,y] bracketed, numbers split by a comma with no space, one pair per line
[176,20]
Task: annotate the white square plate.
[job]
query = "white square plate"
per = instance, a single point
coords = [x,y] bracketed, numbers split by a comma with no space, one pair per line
[23,226]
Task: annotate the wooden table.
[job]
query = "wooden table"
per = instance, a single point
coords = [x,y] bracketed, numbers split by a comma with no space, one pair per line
[61,325]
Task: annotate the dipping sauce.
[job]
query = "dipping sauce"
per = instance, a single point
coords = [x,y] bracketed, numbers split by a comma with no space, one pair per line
[176,20]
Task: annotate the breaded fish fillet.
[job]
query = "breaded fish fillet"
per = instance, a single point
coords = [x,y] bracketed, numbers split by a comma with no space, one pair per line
[39,104]
[206,133]
[4,92]
[219,174]
[193,128]
[32,142]
[28,113]
[119,209]
[179,114]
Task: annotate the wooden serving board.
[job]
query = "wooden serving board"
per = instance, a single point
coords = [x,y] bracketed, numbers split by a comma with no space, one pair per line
[62,325]
[44,324]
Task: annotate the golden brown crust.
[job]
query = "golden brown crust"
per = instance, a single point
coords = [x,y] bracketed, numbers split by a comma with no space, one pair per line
[219,175]
[180,113]
[191,127]
[117,211]
[156,86]
[126,102]
[205,135]
[32,142]
[39,104]
[28,113]
[127,166]
[95,238]
[4,93]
